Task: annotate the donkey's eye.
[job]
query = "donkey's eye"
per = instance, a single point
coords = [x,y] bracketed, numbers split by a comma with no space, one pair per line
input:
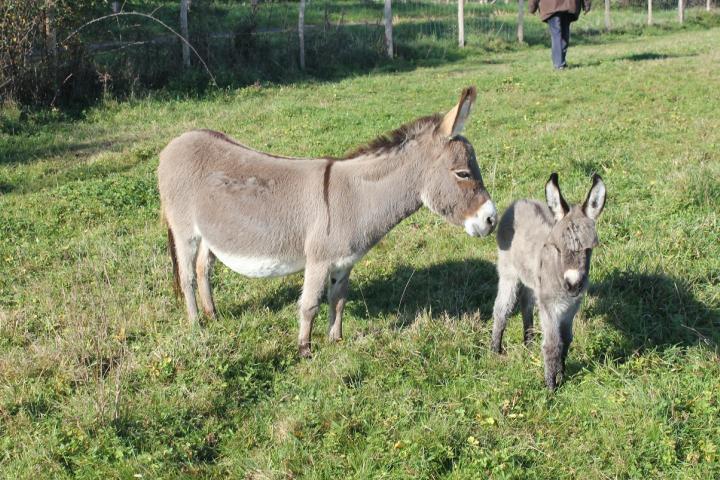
[463,174]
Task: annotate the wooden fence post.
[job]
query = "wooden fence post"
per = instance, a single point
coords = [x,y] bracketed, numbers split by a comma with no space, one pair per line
[650,19]
[184,7]
[387,17]
[681,11]
[607,15]
[301,33]
[521,21]
[461,23]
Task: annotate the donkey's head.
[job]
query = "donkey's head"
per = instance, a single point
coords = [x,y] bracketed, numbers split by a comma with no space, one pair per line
[453,186]
[574,235]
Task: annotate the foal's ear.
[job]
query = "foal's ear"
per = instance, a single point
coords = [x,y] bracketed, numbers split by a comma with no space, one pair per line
[454,121]
[595,201]
[558,206]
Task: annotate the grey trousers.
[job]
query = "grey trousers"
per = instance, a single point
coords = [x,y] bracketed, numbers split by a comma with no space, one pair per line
[559,25]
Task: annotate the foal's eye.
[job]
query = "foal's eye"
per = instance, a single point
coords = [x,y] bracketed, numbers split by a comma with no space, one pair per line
[463,174]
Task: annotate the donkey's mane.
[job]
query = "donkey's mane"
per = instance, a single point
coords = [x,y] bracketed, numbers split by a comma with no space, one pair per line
[219,135]
[396,138]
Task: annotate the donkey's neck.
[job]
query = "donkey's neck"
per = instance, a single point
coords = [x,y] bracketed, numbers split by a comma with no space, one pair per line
[389,186]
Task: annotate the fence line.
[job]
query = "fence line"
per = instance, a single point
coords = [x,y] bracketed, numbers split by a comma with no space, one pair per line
[263,40]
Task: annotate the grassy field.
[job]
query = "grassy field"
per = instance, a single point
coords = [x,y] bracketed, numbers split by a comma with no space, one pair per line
[102,377]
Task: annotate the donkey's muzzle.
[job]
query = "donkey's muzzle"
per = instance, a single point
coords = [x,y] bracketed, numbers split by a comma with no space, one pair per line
[574,282]
[483,222]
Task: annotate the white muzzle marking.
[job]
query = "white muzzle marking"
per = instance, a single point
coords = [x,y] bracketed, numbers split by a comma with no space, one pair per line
[483,222]
[572,276]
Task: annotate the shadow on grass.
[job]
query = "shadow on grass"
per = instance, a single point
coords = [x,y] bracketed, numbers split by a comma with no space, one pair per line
[453,288]
[281,294]
[654,311]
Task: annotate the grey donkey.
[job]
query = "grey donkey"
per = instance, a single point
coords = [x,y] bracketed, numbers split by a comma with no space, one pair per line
[544,256]
[264,215]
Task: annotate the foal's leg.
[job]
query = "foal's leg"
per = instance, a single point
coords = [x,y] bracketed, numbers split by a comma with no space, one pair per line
[504,304]
[203,268]
[566,333]
[552,346]
[527,305]
[185,253]
[315,277]
[337,293]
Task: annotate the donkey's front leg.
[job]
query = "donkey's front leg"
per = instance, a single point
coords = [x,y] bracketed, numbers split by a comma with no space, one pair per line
[504,304]
[337,294]
[552,347]
[315,276]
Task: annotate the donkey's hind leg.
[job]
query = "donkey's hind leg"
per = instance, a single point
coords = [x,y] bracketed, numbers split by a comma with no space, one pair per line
[186,252]
[504,304]
[203,268]
[527,306]
[337,293]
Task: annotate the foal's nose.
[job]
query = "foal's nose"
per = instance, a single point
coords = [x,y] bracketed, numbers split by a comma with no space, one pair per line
[573,281]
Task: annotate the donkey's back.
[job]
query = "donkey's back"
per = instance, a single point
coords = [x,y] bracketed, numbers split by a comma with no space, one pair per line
[520,236]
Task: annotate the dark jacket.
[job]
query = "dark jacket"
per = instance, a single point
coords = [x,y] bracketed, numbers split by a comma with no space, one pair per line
[550,7]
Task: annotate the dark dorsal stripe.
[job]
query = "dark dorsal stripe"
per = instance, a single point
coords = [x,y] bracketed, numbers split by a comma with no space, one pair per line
[326,191]
[397,137]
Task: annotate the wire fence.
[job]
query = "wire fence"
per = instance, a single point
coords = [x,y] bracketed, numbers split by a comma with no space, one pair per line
[245,42]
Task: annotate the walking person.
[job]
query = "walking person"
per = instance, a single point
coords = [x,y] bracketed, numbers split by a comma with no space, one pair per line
[558,14]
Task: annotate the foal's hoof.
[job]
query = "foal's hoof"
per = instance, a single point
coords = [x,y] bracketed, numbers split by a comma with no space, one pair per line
[497,348]
[304,351]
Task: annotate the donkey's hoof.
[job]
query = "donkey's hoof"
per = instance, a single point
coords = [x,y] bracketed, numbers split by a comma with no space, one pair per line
[335,338]
[552,383]
[497,348]
[304,351]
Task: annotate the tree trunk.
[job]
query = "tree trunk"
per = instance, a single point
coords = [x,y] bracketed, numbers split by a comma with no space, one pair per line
[116,6]
[521,21]
[301,33]
[50,32]
[707,5]
[461,23]
[681,11]
[607,15]
[387,17]
[184,7]
[51,40]
[650,19]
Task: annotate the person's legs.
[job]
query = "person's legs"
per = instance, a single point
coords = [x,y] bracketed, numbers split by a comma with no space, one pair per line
[556,48]
[565,34]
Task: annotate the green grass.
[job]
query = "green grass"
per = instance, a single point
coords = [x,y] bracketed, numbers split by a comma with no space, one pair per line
[101,376]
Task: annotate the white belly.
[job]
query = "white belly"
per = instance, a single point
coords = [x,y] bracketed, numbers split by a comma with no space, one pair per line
[260,267]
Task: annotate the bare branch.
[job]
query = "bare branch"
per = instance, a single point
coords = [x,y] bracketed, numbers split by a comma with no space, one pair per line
[144,15]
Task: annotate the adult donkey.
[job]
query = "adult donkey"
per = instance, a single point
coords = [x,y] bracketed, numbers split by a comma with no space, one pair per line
[265,216]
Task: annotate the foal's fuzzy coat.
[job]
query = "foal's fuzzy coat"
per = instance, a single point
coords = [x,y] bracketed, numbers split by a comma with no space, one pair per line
[545,251]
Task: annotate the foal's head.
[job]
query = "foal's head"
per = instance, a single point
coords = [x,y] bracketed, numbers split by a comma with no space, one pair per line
[574,235]
[453,187]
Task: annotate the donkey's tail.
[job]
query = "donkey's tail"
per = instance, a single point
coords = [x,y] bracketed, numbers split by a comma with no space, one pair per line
[173,257]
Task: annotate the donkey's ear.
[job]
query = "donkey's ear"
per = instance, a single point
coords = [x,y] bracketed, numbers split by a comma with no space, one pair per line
[454,121]
[558,206]
[595,201]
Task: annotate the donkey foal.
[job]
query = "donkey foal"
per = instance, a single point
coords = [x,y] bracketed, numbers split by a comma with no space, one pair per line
[544,255]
